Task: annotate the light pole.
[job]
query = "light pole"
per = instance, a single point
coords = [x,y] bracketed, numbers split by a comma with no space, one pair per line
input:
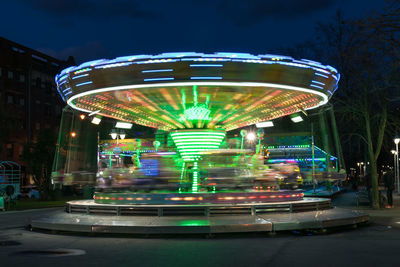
[396,141]
[260,135]
[117,135]
[394,163]
[243,134]
[359,164]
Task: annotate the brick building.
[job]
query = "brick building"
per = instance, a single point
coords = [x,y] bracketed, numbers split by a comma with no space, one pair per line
[28,97]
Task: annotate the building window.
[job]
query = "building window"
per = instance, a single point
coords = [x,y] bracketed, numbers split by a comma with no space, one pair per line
[37,105]
[22,101]
[38,82]
[10,74]
[20,151]
[47,110]
[10,99]
[22,78]
[9,150]
[10,124]
[48,88]
[21,124]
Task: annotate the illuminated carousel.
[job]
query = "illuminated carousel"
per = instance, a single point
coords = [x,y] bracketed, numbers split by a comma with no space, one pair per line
[197,98]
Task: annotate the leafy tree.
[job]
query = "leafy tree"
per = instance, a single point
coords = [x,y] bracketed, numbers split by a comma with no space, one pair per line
[38,158]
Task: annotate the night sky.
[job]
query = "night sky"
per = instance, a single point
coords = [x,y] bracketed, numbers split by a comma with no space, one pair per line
[90,29]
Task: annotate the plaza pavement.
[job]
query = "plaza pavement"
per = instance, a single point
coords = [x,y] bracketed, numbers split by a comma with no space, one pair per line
[373,245]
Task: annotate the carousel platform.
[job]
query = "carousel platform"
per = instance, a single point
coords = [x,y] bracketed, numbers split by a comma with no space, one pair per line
[86,216]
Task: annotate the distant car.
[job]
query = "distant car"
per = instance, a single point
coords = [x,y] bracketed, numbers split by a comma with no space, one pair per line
[29,191]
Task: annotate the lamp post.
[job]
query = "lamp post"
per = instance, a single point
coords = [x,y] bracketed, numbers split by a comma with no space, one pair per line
[360,166]
[243,134]
[117,135]
[396,141]
[394,163]
[260,135]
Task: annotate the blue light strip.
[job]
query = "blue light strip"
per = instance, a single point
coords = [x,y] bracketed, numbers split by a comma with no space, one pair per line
[66,89]
[206,65]
[318,82]
[322,75]
[317,86]
[206,78]
[80,84]
[162,70]
[324,71]
[68,93]
[62,83]
[63,77]
[80,76]
[159,79]
[156,61]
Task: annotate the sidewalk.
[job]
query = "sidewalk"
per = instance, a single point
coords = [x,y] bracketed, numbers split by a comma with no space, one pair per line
[385,216]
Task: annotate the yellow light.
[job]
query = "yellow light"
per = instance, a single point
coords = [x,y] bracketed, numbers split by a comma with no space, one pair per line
[82,116]
[73,134]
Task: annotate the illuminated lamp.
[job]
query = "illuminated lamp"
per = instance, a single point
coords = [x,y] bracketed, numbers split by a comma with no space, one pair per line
[122,135]
[123,125]
[73,134]
[82,116]
[96,120]
[113,134]
[296,118]
[265,124]
[251,137]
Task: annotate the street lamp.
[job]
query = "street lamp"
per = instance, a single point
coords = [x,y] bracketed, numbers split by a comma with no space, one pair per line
[396,141]
[117,135]
[360,164]
[251,137]
[243,134]
[394,162]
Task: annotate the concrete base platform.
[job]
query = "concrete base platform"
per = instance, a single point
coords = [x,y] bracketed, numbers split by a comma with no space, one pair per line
[270,222]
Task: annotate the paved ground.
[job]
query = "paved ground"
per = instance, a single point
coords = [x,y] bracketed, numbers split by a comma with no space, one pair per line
[373,245]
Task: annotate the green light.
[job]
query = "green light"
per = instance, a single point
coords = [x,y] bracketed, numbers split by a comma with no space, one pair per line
[194,223]
[199,112]
[194,148]
[202,139]
[206,132]
[216,142]
[183,98]
[195,95]
[207,100]
[190,142]
[195,185]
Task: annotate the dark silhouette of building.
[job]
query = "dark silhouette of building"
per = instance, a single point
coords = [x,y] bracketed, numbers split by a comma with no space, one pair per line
[28,97]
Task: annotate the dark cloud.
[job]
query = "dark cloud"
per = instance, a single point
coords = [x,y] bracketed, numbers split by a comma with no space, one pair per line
[251,11]
[99,9]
